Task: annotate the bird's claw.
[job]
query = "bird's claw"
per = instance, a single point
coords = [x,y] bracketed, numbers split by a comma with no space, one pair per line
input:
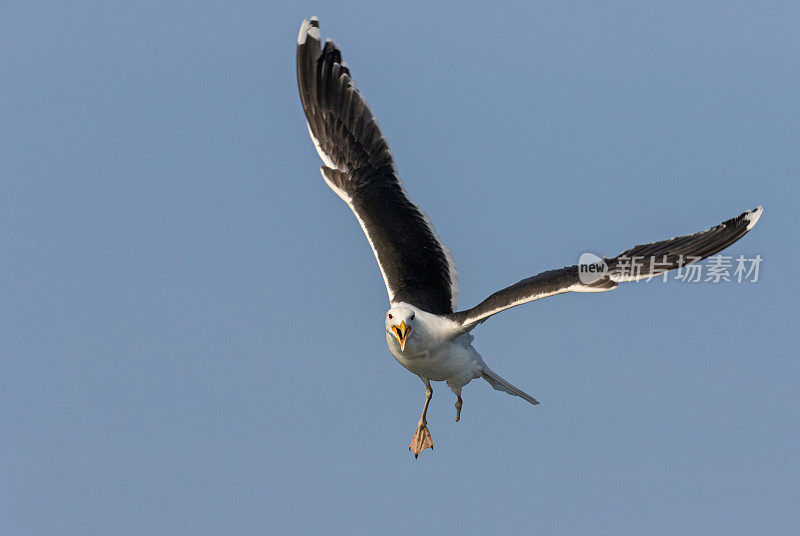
[421,440]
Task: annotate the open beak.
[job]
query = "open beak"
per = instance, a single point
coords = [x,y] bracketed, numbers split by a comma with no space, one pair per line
[401,332]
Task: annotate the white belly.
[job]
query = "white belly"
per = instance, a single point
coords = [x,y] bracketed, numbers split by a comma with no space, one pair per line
[455,360]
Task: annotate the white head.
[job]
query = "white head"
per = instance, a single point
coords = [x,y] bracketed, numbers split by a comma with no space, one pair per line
[399,321]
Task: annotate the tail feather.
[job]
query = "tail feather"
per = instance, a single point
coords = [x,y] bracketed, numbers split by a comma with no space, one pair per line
[500,384]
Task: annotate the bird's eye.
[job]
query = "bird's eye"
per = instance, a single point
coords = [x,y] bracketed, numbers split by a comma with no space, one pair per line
[390,317]
[412,317]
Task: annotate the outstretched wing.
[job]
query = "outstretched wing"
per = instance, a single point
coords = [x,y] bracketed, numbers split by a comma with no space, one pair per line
[641,261]
[416,267]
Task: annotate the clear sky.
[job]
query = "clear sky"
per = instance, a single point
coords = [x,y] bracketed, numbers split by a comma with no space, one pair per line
[191,323]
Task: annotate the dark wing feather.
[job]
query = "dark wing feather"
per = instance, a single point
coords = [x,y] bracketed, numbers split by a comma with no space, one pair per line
[416,267]
[651,259]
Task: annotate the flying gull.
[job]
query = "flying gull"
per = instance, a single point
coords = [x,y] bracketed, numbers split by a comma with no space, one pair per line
[424,332]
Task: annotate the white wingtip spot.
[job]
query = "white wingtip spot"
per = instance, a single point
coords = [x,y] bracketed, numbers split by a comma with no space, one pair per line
[752,216]
[309,27]
[303,33]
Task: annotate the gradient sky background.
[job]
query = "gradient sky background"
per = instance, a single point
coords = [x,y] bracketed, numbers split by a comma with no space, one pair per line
[191,323]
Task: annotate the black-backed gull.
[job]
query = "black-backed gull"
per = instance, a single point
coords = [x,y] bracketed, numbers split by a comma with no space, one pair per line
[424,331]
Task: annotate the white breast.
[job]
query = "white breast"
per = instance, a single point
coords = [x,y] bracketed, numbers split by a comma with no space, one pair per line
[438,360]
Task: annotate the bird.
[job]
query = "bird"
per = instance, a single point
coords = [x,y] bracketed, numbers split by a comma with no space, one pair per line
[425,332]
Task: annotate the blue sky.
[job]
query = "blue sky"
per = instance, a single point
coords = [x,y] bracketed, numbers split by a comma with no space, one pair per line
[191,323]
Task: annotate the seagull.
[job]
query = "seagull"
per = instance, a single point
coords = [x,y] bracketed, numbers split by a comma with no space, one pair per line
[424,331]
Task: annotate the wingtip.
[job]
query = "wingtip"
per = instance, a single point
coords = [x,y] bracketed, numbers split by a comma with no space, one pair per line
[752,216]
[308,27]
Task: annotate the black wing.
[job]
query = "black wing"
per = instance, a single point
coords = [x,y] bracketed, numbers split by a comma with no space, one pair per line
[639,262]
[416,267]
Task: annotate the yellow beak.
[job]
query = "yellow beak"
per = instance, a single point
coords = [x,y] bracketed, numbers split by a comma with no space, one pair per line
[401,334]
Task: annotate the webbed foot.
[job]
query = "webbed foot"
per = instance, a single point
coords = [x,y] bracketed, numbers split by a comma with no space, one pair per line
[421,440]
